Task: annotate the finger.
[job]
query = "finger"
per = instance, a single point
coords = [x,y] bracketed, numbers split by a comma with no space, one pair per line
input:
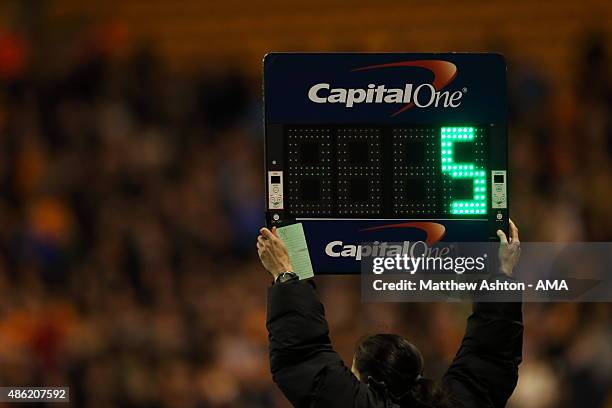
[260,246]
[261,240]
[514,236]
[502,237]
[266,233]
[274,231]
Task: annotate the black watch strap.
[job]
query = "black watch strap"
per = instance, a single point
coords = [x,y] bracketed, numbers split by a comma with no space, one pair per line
[286,277]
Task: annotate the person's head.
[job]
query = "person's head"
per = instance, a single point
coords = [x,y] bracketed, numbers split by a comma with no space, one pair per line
[392,362]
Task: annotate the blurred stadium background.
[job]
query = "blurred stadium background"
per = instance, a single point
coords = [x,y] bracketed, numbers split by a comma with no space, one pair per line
[131,189]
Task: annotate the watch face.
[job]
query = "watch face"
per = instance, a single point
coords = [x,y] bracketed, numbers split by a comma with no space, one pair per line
[285,276]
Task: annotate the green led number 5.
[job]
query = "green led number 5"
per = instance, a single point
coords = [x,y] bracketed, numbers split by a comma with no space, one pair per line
[449,137]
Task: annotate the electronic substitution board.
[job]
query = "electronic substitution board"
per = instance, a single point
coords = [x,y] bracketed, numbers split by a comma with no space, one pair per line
[385,147]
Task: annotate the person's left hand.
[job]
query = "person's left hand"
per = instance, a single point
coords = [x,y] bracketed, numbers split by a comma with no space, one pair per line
[509,250]
[273,253]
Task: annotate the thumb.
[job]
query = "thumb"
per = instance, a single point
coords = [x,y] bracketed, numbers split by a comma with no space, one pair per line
[502,237]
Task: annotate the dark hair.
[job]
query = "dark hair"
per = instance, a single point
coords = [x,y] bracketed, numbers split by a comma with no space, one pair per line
[392,362]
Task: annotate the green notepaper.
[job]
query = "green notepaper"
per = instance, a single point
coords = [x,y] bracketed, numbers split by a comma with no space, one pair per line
[295,241]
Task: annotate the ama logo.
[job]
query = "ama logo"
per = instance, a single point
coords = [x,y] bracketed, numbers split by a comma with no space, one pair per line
[424,95]
[434,232]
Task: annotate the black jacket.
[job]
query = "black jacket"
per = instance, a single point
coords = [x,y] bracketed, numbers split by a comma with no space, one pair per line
[310,373]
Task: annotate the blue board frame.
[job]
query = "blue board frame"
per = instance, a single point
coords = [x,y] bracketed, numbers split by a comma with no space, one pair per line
[442,89]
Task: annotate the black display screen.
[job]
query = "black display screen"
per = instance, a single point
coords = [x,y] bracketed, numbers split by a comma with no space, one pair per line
[390,172]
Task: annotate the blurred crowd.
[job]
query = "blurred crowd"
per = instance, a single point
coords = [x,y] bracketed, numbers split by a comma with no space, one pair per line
[130,200]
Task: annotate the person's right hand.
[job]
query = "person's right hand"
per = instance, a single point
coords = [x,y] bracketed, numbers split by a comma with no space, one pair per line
[509,251]
[273,253]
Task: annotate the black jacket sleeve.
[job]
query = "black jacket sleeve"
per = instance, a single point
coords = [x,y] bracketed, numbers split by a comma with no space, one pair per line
[303,363]
[484,372]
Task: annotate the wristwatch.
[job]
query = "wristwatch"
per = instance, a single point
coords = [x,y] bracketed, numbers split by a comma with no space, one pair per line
[285,277]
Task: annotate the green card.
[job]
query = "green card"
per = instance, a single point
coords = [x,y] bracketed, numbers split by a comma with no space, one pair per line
[294,239]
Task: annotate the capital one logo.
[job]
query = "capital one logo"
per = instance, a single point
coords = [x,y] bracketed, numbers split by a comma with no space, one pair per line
[434,232]
[424,95]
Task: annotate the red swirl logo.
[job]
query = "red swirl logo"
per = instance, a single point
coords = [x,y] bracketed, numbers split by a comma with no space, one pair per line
[434,232]
[444,73]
